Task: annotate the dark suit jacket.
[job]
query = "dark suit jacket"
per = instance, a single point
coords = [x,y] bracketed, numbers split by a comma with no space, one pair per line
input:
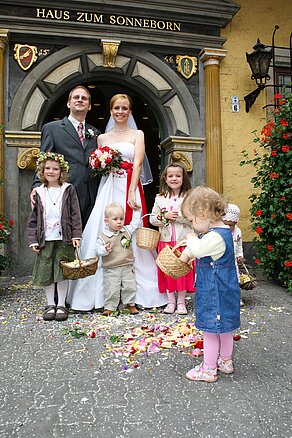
[61,137]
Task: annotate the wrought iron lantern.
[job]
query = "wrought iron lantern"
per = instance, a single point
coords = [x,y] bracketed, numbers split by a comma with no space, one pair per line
[259,61]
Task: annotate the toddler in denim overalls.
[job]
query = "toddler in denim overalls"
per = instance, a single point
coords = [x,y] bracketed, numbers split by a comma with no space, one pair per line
[217,304]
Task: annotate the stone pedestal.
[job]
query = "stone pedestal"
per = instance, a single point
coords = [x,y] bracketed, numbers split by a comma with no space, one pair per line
[186,151]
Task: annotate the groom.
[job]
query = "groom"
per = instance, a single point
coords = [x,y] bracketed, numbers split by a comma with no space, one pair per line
[76,140]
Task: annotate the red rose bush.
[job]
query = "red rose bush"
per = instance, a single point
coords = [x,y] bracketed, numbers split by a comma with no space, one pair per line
[271,205]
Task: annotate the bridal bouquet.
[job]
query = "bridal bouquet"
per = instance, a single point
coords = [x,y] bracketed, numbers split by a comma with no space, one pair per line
[104,160]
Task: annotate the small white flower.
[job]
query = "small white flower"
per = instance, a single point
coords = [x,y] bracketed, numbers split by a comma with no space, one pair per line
[89,133]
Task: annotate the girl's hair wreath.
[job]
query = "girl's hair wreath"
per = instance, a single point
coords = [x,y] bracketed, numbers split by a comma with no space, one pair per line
[53,156]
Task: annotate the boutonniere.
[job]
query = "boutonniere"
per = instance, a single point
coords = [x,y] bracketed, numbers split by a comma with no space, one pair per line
[161,217]
[89,133]
[125,242]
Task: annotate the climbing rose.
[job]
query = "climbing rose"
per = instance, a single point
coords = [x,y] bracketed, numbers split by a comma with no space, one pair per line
[284,122]
[257,261]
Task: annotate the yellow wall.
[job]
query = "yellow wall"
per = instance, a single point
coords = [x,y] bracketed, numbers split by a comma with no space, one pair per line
[255,19]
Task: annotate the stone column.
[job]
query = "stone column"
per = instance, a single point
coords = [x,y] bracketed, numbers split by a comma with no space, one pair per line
[214,174]
[3,42]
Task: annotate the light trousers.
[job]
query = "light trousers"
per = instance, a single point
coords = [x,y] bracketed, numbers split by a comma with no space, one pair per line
[119,284]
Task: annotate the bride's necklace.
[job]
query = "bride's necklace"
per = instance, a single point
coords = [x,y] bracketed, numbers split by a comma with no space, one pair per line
[54,201]
[120,131]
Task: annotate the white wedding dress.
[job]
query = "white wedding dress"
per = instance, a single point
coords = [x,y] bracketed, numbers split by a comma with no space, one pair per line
[87,293]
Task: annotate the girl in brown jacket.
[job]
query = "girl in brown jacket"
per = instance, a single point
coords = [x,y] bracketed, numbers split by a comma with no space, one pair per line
[54,228]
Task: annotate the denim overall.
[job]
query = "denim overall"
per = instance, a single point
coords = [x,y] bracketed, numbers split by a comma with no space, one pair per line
[217,299]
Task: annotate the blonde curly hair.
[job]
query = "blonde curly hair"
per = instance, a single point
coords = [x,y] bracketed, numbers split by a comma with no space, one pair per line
[204,199]
[52,156]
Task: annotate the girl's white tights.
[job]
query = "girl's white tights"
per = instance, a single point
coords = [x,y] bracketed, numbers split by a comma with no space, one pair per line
[217,345]
[62,288]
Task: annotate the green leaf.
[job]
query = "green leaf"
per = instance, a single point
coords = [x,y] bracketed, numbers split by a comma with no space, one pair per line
[77,333]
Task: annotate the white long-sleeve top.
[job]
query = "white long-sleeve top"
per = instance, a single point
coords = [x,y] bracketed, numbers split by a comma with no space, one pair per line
[211,244]
[237,241]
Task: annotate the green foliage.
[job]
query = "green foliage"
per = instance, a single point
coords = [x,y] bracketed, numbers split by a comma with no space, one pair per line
[271,209]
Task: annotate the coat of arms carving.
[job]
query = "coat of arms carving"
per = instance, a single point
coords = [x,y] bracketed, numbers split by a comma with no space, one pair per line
[25,55]
[186,65]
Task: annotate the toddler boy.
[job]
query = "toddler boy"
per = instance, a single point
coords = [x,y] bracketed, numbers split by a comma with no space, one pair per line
[115,248]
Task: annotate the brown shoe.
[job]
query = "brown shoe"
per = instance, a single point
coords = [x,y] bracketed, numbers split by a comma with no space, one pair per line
[133,309]
[61,313]
[107,312]
[49,313]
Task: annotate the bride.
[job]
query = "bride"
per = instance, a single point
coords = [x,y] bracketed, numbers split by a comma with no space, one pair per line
[123,187]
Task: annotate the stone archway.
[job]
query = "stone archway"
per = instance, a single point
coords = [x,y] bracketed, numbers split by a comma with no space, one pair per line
[172,102]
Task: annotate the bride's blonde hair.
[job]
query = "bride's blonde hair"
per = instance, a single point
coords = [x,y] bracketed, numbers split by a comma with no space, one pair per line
[120,96]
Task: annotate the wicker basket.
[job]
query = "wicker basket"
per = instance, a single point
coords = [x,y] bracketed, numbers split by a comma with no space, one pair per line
[147,238]
[79,268]
[169,263]
[247,280]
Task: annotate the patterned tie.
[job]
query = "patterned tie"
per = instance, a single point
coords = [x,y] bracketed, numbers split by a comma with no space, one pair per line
[80,133]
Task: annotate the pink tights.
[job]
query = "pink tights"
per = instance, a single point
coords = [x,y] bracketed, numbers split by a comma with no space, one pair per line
[217,345]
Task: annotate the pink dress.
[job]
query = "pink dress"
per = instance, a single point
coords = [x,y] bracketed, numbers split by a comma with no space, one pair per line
[169,284]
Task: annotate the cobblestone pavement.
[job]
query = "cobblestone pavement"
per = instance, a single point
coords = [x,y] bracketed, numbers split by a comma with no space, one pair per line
[57,381]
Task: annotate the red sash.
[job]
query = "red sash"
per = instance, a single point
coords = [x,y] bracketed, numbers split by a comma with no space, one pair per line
[128,167]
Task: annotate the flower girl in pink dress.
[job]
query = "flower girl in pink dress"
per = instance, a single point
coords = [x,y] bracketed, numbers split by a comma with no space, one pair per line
[174,183]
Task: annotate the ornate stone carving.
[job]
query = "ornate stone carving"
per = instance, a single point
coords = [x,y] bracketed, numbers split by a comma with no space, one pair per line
[183,158]
[186,65]
[109,50]
[27,159]
[28,144]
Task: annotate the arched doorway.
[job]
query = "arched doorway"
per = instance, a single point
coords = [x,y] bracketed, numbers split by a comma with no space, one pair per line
[101,92]
[158,93]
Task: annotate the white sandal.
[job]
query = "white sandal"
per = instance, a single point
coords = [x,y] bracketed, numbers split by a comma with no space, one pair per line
[181,309]
[170,308]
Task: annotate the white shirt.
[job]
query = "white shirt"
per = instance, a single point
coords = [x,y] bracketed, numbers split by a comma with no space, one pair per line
[211,244]
[53,213]
[75,123]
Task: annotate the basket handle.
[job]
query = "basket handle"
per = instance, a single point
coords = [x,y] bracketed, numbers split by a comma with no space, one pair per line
[181,243]
[246,270]
[77,254]
[148,214]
